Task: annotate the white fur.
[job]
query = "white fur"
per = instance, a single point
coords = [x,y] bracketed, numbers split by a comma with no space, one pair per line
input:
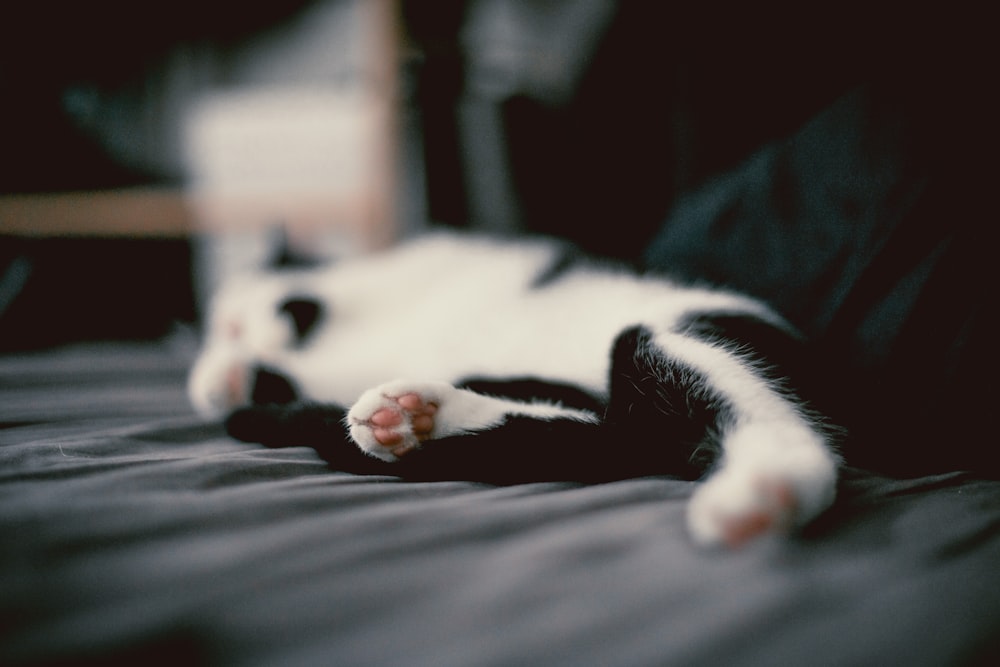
[446,308]
[770,443]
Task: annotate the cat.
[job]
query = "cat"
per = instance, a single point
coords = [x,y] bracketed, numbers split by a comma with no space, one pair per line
[460,357]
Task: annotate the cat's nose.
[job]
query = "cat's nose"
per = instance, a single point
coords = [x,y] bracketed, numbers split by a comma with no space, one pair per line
[233,330]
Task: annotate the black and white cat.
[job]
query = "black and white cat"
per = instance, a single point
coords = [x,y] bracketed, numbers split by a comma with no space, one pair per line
[455,357]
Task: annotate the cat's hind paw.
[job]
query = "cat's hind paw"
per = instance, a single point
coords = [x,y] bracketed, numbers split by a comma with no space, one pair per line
[731,512]
[773,481]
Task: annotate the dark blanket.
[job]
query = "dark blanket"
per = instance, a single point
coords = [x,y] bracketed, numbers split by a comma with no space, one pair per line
[130,530]
[866,227]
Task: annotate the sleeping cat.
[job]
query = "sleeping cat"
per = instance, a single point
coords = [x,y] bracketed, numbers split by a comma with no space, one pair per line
[465,358]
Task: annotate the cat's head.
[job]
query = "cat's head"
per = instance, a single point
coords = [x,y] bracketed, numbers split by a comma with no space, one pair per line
[254,320]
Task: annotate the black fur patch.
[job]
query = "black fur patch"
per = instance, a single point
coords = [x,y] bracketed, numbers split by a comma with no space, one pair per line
[305,425]
[271,388]
[287,255]
[305,313]
[658,404]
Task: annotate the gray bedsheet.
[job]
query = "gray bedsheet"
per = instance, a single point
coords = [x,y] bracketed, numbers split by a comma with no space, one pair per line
[130,530]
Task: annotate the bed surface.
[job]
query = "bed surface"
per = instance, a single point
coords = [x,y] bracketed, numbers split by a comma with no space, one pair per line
[131,530]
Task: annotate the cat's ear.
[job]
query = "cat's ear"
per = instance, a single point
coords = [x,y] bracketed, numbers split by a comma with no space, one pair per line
[286,254]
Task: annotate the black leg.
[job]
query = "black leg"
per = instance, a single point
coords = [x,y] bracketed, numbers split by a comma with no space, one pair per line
[304,425]
[661,409]
[269,386]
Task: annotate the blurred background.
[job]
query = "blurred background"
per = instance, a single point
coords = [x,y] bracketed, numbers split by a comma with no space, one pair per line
[151,149]
[148,150]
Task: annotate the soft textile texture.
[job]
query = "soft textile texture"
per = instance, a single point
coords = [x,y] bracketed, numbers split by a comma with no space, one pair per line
[129,529]
[865,228]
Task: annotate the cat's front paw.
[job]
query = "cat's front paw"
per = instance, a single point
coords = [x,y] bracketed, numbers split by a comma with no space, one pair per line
[218,383]
[393,419]
[398,417]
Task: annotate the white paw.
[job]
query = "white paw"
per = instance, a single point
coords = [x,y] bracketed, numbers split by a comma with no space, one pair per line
[772,482]
[732,510]
[395,418]
[218,383]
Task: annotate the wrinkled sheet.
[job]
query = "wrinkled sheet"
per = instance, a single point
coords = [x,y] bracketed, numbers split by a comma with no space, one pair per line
[131,530]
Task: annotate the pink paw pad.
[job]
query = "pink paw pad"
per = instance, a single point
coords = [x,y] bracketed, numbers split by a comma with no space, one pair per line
[776,515]
[386,421]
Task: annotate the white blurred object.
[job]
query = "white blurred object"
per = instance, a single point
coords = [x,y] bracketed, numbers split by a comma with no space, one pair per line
[265,141]
[305,158]
[314,156]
